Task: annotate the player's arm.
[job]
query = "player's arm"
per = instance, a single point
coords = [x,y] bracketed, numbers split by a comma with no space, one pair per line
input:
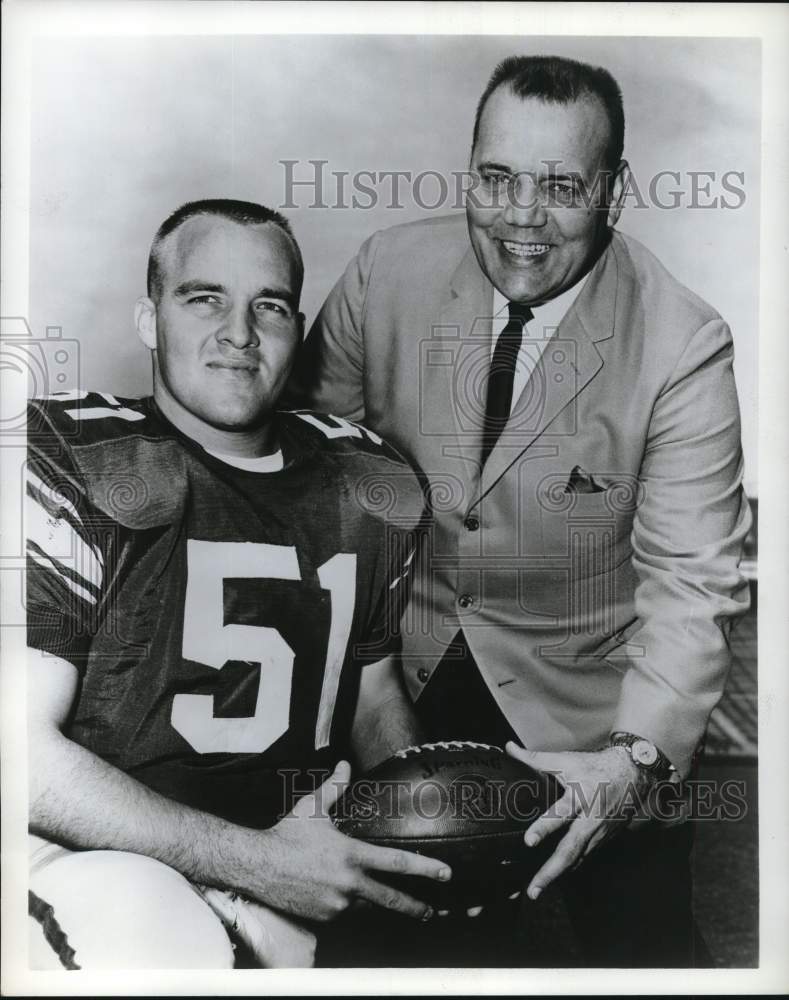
[385,720]
[81,800]
[303,866]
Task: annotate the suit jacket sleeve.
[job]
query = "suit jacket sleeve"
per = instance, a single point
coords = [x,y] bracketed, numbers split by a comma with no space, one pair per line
[687,541]
[329,371]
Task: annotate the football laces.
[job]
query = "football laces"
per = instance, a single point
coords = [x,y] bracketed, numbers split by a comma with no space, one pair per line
[446,745]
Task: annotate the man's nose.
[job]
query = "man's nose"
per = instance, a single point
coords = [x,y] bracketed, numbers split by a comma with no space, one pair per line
[238,330]
[524,205]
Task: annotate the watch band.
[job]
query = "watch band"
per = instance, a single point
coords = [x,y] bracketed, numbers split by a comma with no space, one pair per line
[644,754]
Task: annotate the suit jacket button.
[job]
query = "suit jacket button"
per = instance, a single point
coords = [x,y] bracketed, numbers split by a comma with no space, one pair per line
[465,600]
[422,675]
[472,524]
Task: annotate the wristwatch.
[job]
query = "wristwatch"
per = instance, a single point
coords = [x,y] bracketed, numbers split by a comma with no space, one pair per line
[644,754]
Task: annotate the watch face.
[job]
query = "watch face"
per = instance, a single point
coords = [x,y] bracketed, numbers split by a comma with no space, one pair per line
[644,752]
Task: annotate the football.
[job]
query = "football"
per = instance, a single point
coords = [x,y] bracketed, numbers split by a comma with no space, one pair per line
[465,803]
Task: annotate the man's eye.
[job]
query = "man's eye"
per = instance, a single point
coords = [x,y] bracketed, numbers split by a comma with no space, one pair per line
[497,180]
[202,300]
[561,190]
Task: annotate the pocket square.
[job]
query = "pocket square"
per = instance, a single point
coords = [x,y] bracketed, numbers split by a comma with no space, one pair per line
[581,481]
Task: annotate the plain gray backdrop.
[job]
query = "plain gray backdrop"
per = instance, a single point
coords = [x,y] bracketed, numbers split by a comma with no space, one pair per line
[126,129]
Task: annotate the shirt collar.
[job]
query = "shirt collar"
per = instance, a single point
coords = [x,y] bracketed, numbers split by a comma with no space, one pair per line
[548,315]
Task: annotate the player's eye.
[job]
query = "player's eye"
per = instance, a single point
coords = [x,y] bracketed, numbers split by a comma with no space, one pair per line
[203,300]
[277,308]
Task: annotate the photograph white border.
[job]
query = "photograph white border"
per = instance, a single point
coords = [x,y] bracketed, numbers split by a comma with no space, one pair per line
[26,20]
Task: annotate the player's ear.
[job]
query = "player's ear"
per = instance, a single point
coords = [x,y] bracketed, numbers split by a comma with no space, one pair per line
[619,187]
[145,321]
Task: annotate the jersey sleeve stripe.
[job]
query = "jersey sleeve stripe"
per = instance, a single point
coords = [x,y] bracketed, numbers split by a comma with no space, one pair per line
[57,539]
[405,568]
[52,566]
[51,496]
[66,396]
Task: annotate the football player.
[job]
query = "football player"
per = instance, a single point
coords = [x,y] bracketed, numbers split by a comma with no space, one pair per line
[213,592]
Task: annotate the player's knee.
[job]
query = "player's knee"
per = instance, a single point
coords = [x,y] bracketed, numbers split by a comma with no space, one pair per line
[120,910]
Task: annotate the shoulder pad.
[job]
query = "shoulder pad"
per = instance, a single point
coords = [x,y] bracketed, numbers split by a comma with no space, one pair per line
[382,482]
[83,417]
[123,462]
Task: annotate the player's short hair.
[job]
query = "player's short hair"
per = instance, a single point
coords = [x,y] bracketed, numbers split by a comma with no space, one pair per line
[246,213]
[560,81]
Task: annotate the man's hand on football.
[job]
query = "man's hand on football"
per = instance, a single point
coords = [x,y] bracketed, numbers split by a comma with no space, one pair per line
[314,871]
[602,790]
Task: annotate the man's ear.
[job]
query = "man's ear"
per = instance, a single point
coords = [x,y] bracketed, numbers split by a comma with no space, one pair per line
[619,188]
[301,319]
[145,321]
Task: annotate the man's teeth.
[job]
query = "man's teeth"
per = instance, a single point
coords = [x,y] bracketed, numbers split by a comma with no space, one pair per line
[526,249]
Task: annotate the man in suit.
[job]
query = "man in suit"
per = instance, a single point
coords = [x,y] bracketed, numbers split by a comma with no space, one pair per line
[574,409]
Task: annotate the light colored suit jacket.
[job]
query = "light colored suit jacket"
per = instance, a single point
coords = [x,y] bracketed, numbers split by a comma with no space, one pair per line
[588,610]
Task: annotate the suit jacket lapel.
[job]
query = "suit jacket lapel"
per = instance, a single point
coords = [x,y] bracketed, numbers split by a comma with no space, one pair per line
[454,369]
[567,365]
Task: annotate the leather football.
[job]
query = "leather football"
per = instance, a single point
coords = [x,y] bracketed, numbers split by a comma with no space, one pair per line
[467,804]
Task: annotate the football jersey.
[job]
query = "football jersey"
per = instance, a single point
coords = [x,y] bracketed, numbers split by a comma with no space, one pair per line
[218,618]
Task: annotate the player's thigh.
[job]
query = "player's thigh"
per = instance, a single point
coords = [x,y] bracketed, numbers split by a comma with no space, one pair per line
[114,910]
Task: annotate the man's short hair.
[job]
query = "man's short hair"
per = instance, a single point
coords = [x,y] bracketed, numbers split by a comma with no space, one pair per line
[560,81]
[247,213]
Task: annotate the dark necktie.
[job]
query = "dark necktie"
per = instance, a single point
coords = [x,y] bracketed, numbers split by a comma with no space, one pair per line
[502,376]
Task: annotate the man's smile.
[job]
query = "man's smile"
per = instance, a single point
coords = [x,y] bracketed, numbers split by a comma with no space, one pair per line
[525,251]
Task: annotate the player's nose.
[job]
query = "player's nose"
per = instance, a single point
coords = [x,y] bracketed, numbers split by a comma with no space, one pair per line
[238,329]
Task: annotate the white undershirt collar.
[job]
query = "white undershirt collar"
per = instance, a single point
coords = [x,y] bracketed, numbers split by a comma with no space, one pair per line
[265,463]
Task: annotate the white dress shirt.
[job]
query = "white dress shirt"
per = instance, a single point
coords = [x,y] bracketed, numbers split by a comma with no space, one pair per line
[536,334]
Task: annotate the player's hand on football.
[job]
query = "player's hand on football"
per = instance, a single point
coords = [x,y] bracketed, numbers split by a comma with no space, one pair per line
[602,789]
[319,872]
